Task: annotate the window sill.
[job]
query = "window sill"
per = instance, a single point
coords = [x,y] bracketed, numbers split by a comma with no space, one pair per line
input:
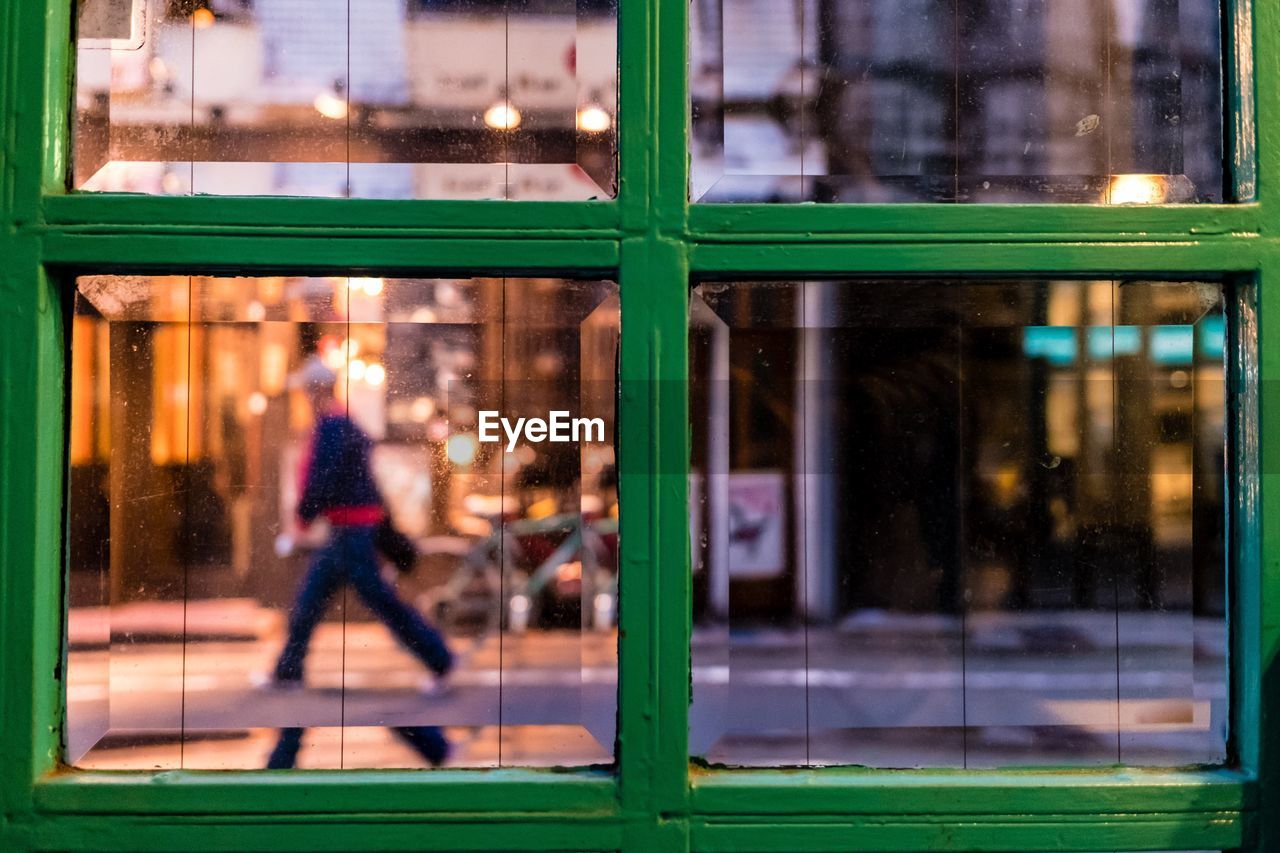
[854,790]
[528,791]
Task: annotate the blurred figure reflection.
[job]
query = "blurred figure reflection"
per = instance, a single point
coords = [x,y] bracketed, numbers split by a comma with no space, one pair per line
[338,483]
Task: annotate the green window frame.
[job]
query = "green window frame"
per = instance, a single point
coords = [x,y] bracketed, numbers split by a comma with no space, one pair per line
[653,241]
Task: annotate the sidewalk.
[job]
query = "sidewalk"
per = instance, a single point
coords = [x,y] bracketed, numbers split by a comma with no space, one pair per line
[1037,631]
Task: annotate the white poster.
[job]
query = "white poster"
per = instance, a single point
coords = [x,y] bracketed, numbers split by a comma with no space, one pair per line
[757,524]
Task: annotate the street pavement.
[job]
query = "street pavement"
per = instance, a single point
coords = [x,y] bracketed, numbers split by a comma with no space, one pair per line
[880,690]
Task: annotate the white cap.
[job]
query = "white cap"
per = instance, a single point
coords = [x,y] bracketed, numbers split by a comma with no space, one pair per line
[313,375]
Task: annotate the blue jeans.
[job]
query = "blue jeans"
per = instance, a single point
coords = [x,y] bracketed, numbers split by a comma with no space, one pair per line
[350,557]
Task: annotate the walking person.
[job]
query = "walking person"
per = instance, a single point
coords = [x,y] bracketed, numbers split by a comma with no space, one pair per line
[337,483]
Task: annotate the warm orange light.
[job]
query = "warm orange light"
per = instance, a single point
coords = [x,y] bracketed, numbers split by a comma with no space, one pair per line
[593,119]
[541,509]
[330,105]
[335,358]
[502,116]
[422,409]
[368,286]
[202,18]
[1136,189]
[569,572]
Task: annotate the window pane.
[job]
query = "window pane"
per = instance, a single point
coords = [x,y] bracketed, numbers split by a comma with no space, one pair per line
[235,444]
[958,523]
[1113,101]
[368,99]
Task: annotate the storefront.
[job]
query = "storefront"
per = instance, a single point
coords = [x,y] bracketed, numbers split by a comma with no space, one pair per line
[830,425]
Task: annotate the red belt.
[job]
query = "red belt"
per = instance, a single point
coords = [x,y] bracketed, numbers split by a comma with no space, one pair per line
[354,515]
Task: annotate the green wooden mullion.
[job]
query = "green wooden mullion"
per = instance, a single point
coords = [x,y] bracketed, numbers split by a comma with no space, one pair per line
[670,473]
[1265,70]
[338,254]
[55,116]
[889,793]
[319,833]
[666,250]
[36,121]
[643,770]
[319,216]
[1245,579]
[1192,257]
[1258,663]
[671,122]
[31,478]
[1241,128]
[653,463]
[636,87]
[8,130]
[12,150]
[1013,833]
[639,595]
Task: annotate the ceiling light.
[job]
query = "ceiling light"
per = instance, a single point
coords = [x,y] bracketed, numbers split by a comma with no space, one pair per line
[502,116]
[330,105]
[594,119]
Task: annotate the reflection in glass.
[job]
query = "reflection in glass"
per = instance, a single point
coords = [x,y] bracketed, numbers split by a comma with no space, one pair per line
[370,99]
[958,523]
[1102,101]
[209,414]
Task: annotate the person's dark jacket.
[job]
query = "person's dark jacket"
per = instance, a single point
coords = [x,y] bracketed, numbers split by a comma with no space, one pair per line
[337,480]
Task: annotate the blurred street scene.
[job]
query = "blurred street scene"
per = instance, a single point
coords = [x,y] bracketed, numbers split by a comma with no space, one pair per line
[508,703]
[1109,101]
[886,691]
[367,99]
[985,101]
[189,444]
[1006,495]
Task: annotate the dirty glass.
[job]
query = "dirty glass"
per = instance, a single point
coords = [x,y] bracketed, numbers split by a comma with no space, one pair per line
[462,99]
[959,523]
[235,445]
[1111,102]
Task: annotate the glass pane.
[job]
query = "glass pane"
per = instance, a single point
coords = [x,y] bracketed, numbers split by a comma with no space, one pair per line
[958,523]
[243,451]
[1111,102]
[375,99]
